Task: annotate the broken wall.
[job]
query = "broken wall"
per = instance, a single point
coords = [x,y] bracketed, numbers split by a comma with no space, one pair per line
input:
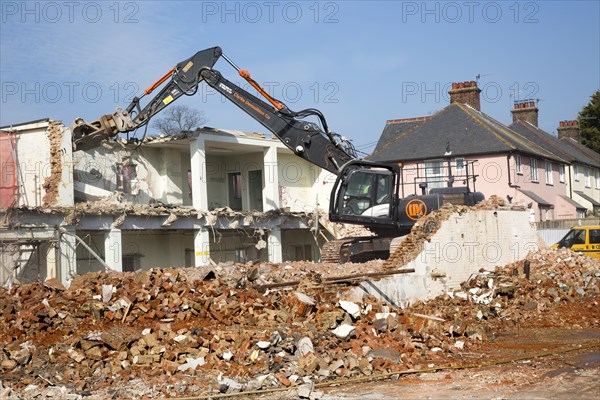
[160,174]
[463,245]
[302,185]
[43,164]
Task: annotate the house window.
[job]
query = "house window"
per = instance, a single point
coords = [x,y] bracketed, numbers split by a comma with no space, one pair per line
[576,172]
[561,173]
[518,167]
[549,180]
[460,165]
[586,177]
[534,171]
[434,173]
[597,179]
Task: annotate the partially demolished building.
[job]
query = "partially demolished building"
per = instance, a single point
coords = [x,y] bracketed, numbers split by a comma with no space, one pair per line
[199,198]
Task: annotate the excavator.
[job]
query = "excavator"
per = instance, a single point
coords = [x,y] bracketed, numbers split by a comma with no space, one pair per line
[365,193]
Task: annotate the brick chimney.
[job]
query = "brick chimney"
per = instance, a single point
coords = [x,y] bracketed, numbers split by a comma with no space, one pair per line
[466,93]
[568,129]
[525,110]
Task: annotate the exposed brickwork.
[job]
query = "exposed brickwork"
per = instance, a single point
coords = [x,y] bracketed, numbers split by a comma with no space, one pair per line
[568,129]
[525,110]
[466,93]
[52,182]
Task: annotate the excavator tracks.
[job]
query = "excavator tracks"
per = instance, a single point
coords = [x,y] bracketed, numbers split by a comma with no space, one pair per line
[331,252]
[356,249]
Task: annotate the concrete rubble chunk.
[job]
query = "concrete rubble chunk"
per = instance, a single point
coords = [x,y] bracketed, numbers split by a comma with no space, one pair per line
[263,344]
[256,383]
[75,355]
[230,385]
[381,324]
[107,292]
[305,346]
[191,363]
[305,390]
[118,337]
[120,304]
[351,308]
[309,363]
[387,353]
[344,331]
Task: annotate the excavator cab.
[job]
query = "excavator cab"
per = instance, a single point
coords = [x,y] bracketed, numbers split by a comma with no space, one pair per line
[364,193]
[372,194]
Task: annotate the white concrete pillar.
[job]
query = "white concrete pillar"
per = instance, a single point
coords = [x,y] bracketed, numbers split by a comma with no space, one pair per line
[52,263]
[113,249]
[66,255]
[202,248]
[271,184]
[199,191]
[274,245]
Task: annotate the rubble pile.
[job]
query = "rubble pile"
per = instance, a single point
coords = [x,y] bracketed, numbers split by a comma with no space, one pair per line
[175,332]
[557,288]
[289,274]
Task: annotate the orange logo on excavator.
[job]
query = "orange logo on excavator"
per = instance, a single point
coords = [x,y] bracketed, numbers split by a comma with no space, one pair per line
[415,209]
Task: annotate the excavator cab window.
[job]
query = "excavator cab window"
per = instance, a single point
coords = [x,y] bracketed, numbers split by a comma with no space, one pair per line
[367,193]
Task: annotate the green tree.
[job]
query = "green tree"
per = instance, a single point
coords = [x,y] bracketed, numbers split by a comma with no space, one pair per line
[589,123]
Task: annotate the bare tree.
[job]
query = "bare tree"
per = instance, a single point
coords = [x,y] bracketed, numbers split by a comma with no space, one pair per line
[178,119]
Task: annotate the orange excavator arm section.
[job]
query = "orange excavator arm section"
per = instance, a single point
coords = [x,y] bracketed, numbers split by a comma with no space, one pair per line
[246,75]
[159,82]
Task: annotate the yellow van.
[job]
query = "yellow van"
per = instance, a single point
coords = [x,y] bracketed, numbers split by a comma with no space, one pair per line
[585,239]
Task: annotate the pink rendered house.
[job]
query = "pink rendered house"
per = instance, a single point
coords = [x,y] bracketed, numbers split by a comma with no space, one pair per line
[459,142]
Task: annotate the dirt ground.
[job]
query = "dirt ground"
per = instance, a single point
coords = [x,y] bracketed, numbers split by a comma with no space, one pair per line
[552,364]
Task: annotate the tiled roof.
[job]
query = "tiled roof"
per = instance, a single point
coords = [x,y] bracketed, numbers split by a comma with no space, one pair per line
[462,129]
[572,202]
[535,198]
[583,154]
[393,128]
[588,198]
[567,149]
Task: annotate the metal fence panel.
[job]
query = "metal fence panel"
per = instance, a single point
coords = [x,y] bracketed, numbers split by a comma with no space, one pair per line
[551,236]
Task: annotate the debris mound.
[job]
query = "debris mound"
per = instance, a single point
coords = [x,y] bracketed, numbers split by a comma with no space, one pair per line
[176,332]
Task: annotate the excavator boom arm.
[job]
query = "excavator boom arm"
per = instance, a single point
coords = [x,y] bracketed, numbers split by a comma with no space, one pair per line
[306,139]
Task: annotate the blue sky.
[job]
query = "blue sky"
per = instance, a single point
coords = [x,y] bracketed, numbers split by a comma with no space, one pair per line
[359,62]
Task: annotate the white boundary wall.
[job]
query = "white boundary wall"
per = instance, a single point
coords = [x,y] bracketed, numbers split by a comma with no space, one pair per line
[462,246]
